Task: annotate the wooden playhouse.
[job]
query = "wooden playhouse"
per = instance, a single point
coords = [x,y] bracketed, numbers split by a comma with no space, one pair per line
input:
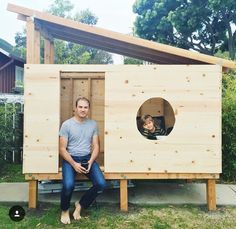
[182,90]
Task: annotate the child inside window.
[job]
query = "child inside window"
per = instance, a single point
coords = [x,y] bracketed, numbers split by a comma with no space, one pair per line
[150,129]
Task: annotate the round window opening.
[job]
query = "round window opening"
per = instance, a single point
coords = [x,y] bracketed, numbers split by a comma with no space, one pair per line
[155,119]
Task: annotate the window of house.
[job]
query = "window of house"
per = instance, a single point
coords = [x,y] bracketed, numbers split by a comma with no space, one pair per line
[155,118]
[19,73]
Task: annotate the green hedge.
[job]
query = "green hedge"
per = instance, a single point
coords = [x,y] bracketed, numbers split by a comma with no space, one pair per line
[229,127]
[11,132]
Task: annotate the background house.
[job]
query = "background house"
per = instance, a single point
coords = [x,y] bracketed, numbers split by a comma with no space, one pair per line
[11,69]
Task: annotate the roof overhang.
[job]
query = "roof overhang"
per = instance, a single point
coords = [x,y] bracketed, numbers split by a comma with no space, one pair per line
[60,28]
[11,56]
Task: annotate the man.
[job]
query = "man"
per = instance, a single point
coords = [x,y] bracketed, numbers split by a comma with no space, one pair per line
[79,141]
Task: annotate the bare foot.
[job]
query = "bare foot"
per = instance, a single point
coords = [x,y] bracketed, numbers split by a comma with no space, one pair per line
[77,211]
[65,217]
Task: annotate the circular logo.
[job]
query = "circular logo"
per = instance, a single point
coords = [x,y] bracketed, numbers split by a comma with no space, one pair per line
[16,213]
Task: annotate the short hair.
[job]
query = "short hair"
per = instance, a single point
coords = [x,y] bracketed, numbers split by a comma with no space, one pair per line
[82,98]
[144,118]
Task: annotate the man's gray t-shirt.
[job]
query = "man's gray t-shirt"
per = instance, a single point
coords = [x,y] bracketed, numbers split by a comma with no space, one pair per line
[79,135]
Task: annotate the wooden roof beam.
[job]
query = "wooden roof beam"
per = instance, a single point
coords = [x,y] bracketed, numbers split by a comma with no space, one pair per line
[43,31]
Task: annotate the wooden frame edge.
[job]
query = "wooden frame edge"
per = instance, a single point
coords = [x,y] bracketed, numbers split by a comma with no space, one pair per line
[126,176]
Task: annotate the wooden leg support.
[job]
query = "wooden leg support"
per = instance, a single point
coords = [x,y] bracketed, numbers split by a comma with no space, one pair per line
[211,195]
[33,193]
[123,195]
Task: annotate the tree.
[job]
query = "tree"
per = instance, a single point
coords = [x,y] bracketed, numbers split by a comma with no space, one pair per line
[67,52]
[20,40]
[61,8]
[227,14]
[86,16]
[228,126]
[130,60]
[201,25]
[70,53]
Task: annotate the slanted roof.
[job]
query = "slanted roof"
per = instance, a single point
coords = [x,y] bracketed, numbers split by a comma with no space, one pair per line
[7,50]
[11,56]
[69,30]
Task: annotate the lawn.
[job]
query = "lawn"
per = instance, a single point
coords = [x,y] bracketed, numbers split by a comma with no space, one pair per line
[109,216]
[12,173]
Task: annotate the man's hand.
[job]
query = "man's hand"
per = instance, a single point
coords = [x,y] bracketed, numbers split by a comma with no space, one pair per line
[78,168]
[89,166]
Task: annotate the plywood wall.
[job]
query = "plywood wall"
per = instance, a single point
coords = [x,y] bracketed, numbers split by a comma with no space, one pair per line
[193,146]
[41,120]
[194,93]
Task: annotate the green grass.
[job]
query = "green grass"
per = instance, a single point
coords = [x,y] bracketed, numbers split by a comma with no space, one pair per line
[109,216]
[12,173]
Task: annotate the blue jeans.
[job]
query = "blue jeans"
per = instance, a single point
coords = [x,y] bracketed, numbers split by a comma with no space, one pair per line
[68,181]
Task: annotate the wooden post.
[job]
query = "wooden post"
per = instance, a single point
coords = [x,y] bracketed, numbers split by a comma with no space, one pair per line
[123,195]
[48,52]
[32,57]
[33,193]
[211,194]
[33,43]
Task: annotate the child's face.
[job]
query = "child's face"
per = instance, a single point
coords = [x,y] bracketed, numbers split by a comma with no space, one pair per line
[149,125]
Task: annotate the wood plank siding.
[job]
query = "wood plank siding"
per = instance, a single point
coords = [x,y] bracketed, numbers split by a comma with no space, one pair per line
[7,73]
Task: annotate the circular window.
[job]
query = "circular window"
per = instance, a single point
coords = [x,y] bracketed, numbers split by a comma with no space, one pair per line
[155,119]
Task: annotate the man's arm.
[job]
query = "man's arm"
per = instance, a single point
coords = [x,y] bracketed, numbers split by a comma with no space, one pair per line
[95,150]
[66,156]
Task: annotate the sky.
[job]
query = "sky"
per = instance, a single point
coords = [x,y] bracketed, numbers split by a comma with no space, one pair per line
[115,15]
